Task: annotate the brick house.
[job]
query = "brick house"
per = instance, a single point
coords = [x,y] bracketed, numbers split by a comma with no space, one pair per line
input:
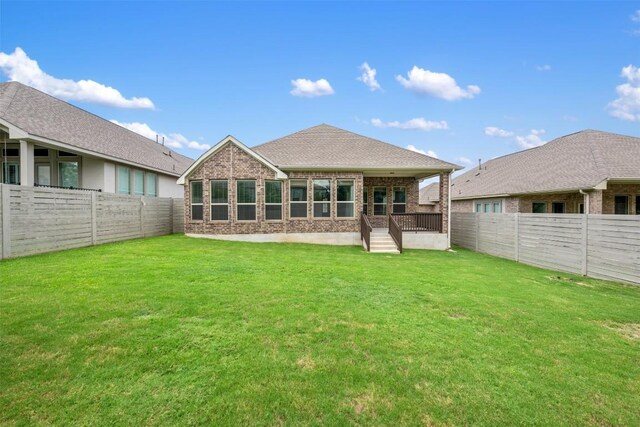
[318,185]
[589,171]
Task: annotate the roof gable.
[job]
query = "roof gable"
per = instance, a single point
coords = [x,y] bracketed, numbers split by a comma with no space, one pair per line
[213,150]
[328,147]
[51,120]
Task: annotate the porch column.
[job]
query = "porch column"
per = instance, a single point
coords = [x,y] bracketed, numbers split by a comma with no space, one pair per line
[444,200]
[27,166]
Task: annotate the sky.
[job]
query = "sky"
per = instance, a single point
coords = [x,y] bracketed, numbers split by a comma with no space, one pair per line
[458,80]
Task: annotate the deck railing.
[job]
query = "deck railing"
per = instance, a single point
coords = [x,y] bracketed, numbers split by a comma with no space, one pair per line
[396,232]
[365,230]
[417,221]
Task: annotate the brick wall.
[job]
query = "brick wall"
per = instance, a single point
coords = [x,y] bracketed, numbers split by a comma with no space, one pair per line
[444,200]
[571,202]
[608,196]
[412,196]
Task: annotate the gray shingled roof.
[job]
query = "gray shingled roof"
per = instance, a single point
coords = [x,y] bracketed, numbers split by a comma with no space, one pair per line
[325,146]
[44,116]
[577,161]
[430,194]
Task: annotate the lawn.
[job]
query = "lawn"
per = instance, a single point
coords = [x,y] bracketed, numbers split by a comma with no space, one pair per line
[173,330]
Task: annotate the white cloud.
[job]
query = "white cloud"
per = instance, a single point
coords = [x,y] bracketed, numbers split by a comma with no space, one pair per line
[464,161]
[440,85]
[173,140]
[368,77]
[636,16]
[419,123]
[545,67]
[531,140]
[19,67]
[429,153]
[627,105]
[497,132]
[309,89]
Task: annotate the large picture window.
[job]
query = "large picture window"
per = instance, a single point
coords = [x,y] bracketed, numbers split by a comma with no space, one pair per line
[298,199]
[321,198]
[219,200]
[68,174]
[399,200]
[246,200]
[196,200]
[380,200]
[273,201]
[345,196]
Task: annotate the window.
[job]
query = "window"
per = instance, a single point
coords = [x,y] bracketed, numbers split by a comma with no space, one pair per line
[124,180]
[379,200]
[138,182]
[487,208]
[321,198]
[557,207]
[196,200]
[581,208]
[68,174]
[43,174]
[40,152]
[66,154]
[11,152]
[219,200]
[365,200]
[478,207]
[246,200]
[11,173]
[497,207]
[399,200]
[151,182]
[621,205]
[539,207]
[637,205]
[273,201]
[345,196]
[298,199]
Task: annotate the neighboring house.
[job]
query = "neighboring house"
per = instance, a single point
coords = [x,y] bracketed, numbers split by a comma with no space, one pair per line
[430,198]
[47,142]
[588,171]
[318,185]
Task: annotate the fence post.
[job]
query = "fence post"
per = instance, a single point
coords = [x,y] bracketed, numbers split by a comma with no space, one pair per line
[517,236]
[141,216]
[94,219]
[476,219]
[6,221]
[585,242]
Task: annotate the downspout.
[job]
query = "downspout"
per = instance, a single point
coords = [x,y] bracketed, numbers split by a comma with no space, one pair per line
[449,210]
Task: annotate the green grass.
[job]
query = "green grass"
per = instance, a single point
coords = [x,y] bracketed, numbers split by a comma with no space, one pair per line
[173,330]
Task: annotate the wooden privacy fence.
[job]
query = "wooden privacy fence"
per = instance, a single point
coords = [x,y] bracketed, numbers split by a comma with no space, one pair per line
[601,246]
[35,219]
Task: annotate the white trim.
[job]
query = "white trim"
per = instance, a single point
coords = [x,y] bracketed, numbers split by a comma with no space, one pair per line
[218,146]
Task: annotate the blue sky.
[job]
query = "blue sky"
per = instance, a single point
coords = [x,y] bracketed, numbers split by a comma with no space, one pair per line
[463,80]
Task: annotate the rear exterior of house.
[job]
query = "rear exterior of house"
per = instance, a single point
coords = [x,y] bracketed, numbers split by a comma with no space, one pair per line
[319,185]
[586,172]
[49,143]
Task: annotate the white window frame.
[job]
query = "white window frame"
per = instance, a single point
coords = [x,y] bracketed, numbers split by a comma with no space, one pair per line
[306,201]
[212,204]
[273,204]
[191,199]
[255,200]
[351,202]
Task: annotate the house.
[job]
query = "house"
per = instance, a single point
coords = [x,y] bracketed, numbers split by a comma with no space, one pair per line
[589,171]
[319,185]
[429,199]
[47,142]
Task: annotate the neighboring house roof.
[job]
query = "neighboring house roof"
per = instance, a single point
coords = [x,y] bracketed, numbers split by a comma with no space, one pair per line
[43,116]
[328,147]
[577,161]
[430,195]
[229,140]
